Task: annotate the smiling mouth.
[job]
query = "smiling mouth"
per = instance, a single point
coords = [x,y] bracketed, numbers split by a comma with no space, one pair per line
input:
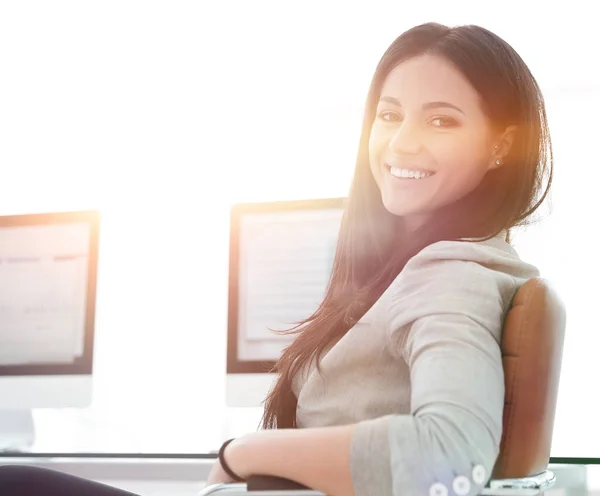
[415,174]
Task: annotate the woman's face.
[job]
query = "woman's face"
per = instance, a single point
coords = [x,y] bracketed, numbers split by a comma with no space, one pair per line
[430,143]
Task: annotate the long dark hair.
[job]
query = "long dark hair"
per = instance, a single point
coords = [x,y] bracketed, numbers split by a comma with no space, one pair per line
[372,247]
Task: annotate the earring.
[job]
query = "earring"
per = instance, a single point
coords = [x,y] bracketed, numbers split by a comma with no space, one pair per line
[498,161]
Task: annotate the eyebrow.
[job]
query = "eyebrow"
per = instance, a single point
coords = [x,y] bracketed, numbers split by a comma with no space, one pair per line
[426,106]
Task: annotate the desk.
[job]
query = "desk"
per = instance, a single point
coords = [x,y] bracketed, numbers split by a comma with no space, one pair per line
[576,480]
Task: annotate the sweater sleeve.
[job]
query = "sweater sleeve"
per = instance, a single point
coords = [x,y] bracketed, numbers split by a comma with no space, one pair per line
[446,324]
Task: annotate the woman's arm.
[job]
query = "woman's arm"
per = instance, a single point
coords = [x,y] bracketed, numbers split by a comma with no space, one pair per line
[316,457]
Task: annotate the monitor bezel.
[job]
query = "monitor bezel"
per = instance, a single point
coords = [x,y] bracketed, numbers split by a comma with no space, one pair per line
[234,364]
[83,365]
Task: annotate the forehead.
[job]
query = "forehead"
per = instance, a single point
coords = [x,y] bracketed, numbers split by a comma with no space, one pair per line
[429,78]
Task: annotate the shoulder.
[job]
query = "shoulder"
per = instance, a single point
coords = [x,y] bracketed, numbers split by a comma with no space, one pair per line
[462,277]
[494,255]
[452,264]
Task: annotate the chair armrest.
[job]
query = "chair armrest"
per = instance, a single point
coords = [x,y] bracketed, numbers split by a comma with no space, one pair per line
[269,483]
[526,486]
[241,489]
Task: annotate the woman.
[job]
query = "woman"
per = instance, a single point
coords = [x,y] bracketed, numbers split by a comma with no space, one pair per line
[395,385]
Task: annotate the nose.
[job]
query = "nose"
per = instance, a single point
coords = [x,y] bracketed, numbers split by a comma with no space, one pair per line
[406,140]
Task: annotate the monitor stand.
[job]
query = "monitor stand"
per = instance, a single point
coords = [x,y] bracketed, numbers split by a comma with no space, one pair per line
[17,430]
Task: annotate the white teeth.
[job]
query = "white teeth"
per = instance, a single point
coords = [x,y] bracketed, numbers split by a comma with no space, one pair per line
[407,173]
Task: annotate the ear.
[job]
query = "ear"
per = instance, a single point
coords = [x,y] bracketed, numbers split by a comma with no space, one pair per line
[502,146]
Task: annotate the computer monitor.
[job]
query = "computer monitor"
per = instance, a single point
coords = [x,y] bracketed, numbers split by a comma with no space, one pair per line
[281,256]
[48,265]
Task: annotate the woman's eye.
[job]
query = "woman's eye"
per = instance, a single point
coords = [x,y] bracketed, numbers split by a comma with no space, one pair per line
[389,116]
[443,122]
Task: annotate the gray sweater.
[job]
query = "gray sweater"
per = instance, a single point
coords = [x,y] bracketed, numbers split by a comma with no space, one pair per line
[421,374]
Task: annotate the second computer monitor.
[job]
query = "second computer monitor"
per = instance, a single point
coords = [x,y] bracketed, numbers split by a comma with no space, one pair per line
[281,256]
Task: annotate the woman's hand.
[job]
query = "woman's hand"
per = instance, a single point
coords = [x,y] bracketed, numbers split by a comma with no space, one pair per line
[317,457]
[218,475]
[234,459]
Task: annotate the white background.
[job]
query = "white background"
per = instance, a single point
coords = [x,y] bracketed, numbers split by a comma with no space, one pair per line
[163,113]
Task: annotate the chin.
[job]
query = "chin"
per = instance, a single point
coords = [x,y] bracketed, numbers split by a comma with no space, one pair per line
[399,208]
[414,217]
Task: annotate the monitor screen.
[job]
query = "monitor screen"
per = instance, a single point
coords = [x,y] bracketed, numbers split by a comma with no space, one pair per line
[47,293]
[280,262]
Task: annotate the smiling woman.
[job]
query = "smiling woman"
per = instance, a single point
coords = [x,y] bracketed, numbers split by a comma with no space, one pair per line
[398,374]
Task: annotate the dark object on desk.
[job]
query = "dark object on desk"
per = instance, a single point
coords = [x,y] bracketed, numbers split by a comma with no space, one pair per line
[266,483]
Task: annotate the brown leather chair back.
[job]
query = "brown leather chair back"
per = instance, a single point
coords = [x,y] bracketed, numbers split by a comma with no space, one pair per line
[532,346]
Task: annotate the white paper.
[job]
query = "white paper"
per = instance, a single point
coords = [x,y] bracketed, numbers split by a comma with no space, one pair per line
[284,268]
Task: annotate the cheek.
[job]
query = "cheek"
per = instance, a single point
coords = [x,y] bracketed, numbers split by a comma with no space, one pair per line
[463,155]
[373,143]
[463,171]
[374,154]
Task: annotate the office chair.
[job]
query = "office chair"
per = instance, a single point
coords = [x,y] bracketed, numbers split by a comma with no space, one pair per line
[532,345]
